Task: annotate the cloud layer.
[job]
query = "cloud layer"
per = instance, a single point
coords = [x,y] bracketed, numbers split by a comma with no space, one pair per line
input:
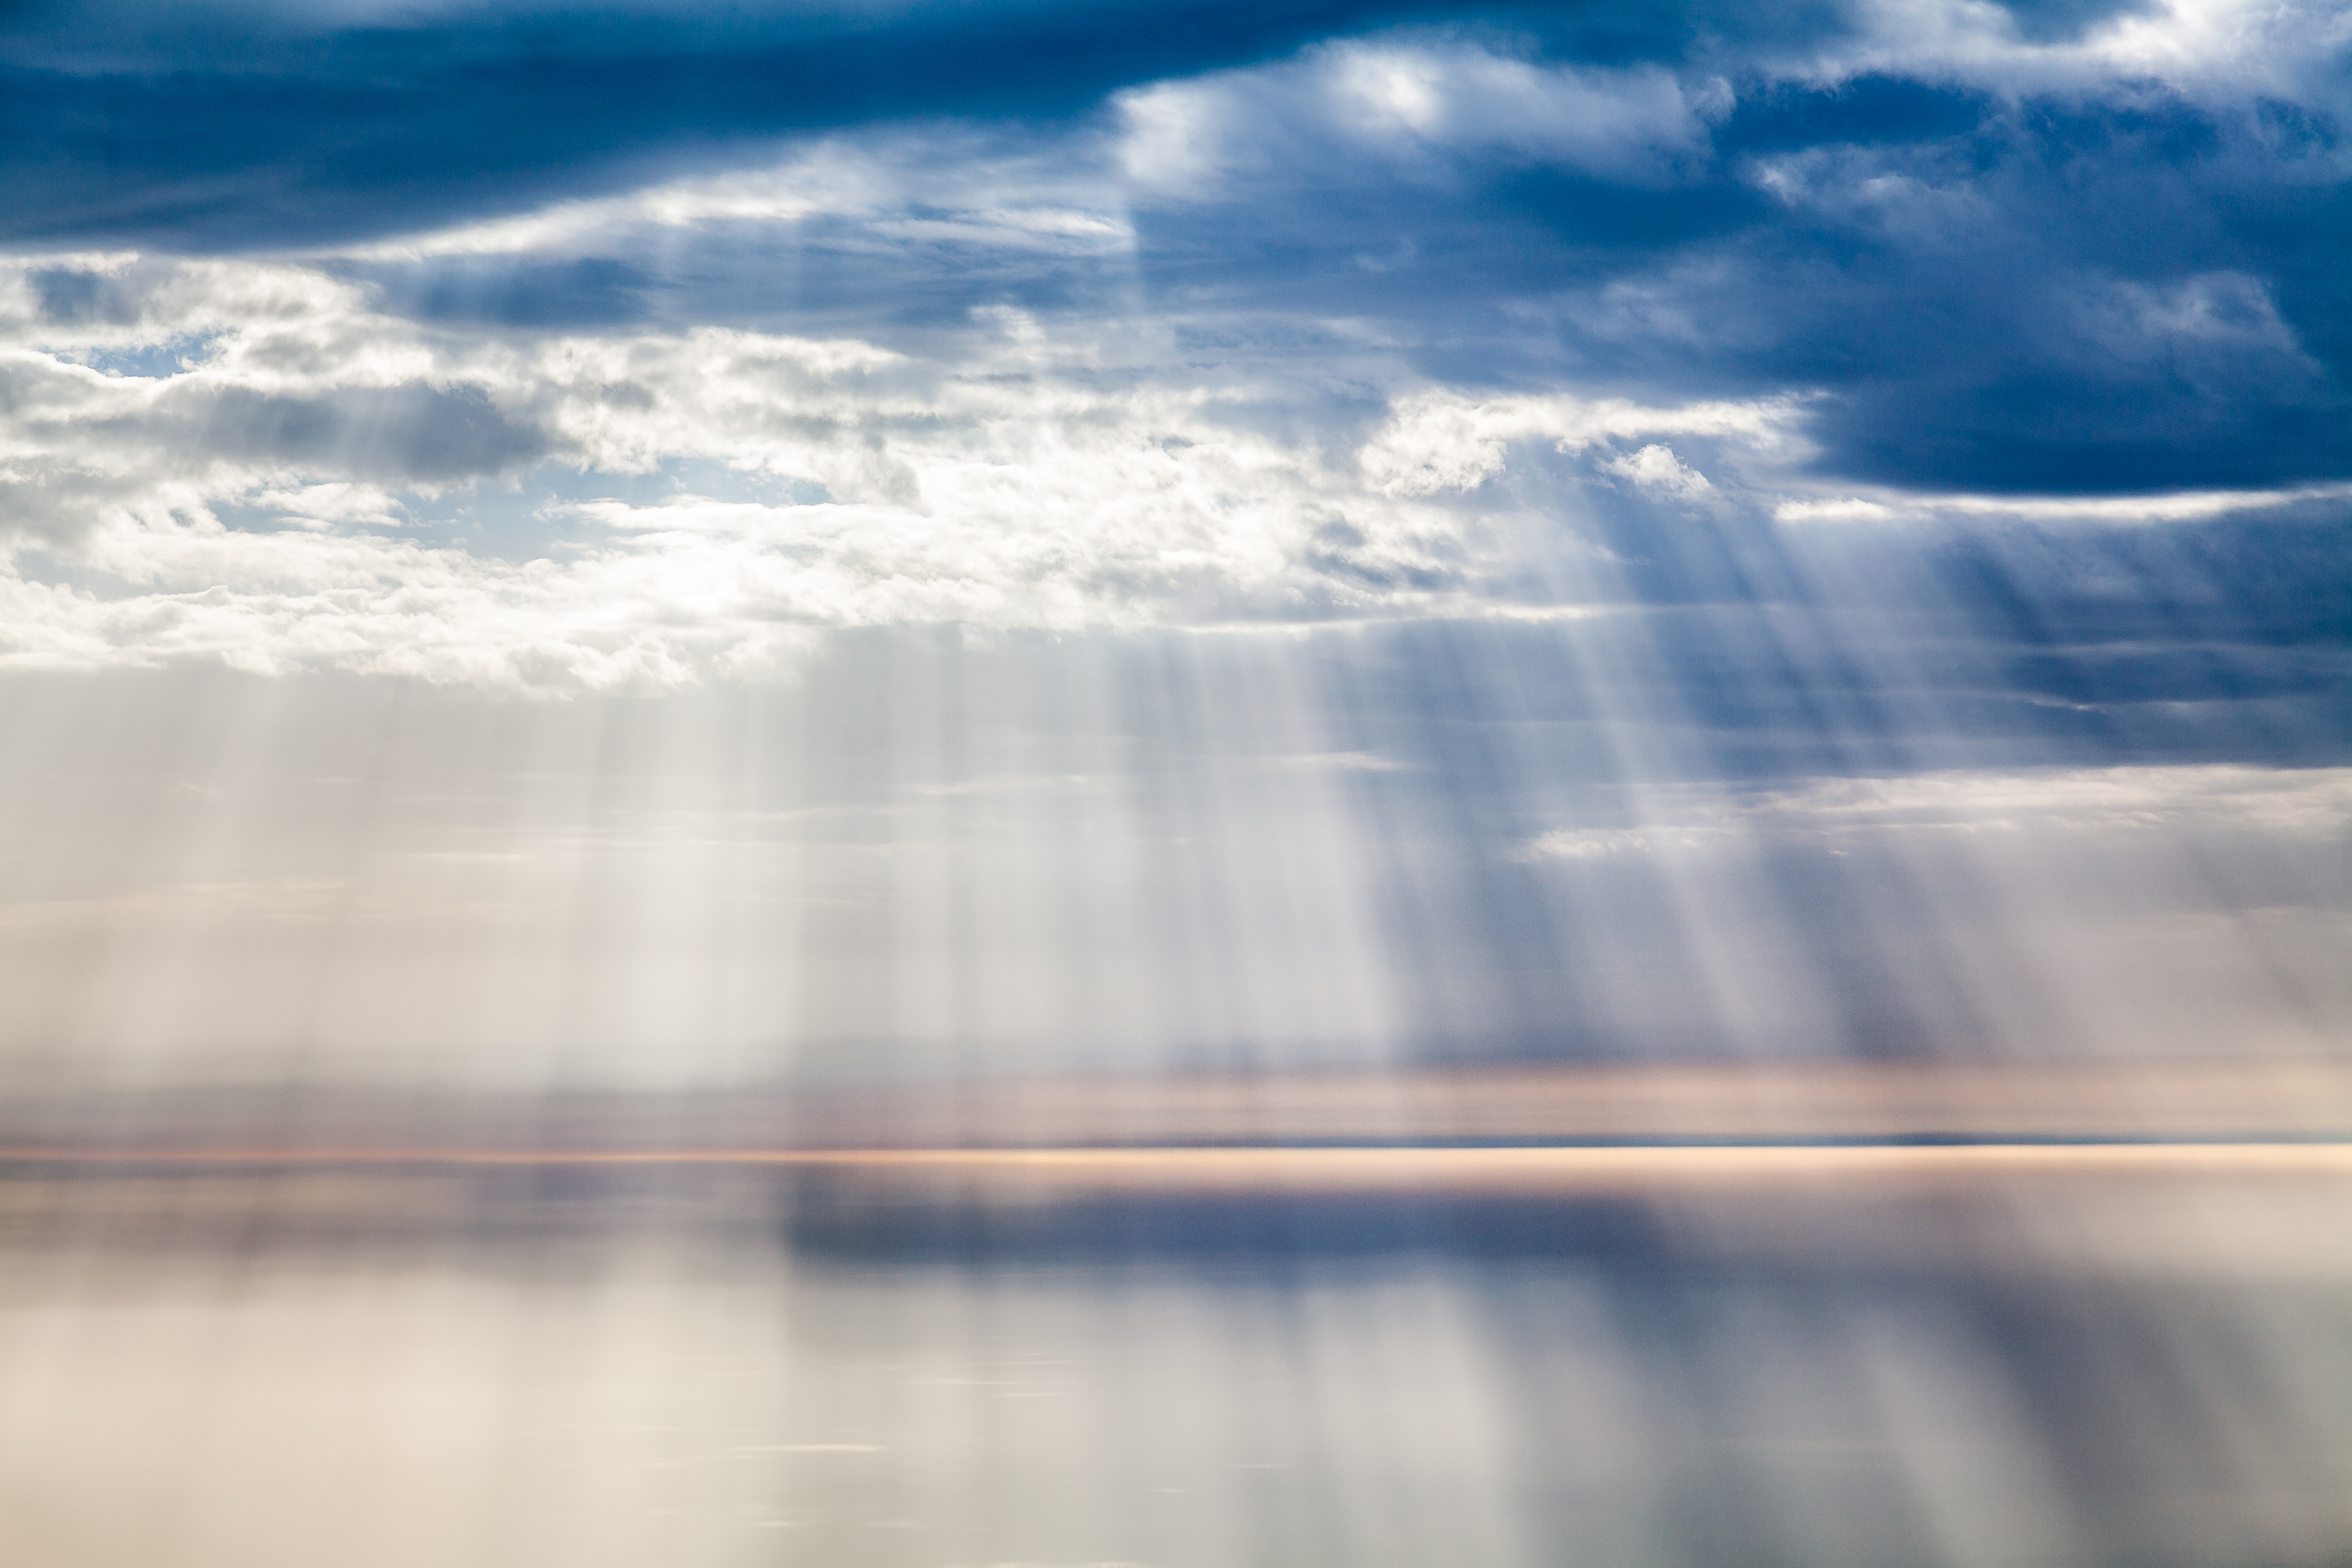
[1370,527]
[316,481]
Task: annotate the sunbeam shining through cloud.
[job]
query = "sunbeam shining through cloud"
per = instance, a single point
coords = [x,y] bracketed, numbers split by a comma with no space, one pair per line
[1182,783]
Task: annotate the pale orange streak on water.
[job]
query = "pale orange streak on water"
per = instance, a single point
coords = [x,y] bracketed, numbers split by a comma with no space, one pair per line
[1344,1169]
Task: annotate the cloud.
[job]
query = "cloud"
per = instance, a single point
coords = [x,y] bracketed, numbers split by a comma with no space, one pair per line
[2178,506]
[273,503]
[2090,257]
[2221,48]
[1415,321]
[1655,470]
[2083,248]
[1410,104]
[313,482]
[286,126]
[983,188]
[2312,805]
[1441,441]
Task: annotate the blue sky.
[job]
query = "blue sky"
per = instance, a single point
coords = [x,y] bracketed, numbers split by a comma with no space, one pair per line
[677,540]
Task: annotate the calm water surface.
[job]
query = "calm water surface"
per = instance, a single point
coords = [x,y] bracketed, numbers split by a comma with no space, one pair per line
[737,1367]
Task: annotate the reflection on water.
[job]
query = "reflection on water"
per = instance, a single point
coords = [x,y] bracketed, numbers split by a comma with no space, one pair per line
[730,1365]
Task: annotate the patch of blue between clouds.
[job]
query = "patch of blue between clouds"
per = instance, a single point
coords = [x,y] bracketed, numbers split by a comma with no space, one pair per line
[530,516]
[149,361]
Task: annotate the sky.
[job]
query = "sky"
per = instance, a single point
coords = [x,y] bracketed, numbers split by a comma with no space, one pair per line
[688,545]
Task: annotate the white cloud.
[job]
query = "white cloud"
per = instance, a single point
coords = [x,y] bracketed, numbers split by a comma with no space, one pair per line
[1601,843]
[2301,804]
[1410,103]
[2305,801]
[967,188]
[1929,199]
[273,503]
[2205,47]
[2176,506]
[1630,124]
[1655,470]
[1441,441]
[1416,103]
[280,500]
[1174,134]
[2224,309]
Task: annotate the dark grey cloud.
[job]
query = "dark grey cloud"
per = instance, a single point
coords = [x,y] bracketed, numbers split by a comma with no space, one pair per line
[2085,282]
[2023,295]
[415,434]
[591,292]
[68,294]
[234,128]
